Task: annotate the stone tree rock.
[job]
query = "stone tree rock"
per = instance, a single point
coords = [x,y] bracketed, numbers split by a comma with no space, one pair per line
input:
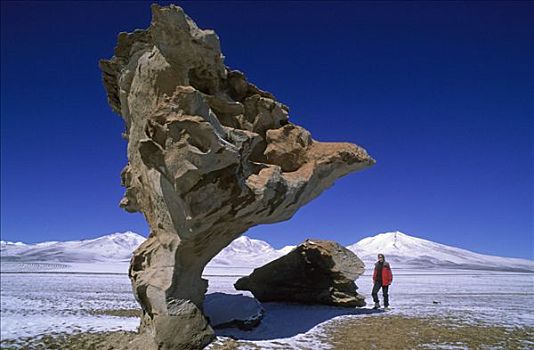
[316,272]
[209,156]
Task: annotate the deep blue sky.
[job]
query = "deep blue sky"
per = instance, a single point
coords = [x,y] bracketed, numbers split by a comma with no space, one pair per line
[440,94]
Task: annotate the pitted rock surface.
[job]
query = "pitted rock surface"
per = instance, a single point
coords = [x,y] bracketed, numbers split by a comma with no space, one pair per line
[315,272]
[209,156]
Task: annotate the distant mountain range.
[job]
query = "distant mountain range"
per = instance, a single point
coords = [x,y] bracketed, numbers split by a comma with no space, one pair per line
[400,249]
[113,247]
[404,250]
[248,252]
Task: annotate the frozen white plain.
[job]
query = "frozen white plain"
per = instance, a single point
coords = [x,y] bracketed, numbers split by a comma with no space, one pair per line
[43,303]
[43,297]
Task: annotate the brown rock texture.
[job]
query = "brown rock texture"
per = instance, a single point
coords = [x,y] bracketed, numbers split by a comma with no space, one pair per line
[209,156]
[315,272]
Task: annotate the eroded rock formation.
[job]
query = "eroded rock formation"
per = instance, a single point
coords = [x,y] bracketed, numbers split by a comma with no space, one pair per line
[209,156]
[315,272]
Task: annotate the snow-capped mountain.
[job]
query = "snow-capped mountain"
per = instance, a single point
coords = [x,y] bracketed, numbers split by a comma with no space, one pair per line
[113,247]
[8,243]
[405,250]
[242,252]
[400,249]
[246,252]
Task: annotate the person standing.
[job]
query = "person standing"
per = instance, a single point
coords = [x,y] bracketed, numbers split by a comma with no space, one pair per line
[382,278]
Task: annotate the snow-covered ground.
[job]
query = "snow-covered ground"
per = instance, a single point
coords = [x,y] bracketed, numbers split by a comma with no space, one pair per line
[68,286]
[38,303]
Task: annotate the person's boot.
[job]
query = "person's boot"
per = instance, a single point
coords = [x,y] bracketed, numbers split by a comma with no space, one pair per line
[377,306]
[386,308]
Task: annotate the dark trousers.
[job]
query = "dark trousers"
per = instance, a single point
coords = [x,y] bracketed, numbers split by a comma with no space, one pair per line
[376,288]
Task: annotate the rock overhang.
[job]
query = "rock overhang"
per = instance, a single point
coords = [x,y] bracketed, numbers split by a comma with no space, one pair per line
[209,156]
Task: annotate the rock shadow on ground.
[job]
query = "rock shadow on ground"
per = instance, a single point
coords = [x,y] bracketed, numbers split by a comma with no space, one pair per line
[285,320]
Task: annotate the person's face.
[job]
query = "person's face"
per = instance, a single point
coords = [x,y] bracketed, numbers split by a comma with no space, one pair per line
[380,258]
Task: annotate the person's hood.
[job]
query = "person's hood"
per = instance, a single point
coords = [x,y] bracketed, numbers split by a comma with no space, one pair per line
[385,263]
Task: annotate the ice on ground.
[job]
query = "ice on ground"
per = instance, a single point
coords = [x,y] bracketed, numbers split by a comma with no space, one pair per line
[24,325]
[38,303]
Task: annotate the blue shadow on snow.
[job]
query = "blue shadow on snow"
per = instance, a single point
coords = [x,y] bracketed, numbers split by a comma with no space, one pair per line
[284,320]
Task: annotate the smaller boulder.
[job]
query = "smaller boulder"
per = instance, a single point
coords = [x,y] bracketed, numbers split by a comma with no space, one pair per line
[315,272]
[233,311]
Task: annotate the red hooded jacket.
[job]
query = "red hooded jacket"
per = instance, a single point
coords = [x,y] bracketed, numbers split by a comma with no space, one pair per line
[387,276]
